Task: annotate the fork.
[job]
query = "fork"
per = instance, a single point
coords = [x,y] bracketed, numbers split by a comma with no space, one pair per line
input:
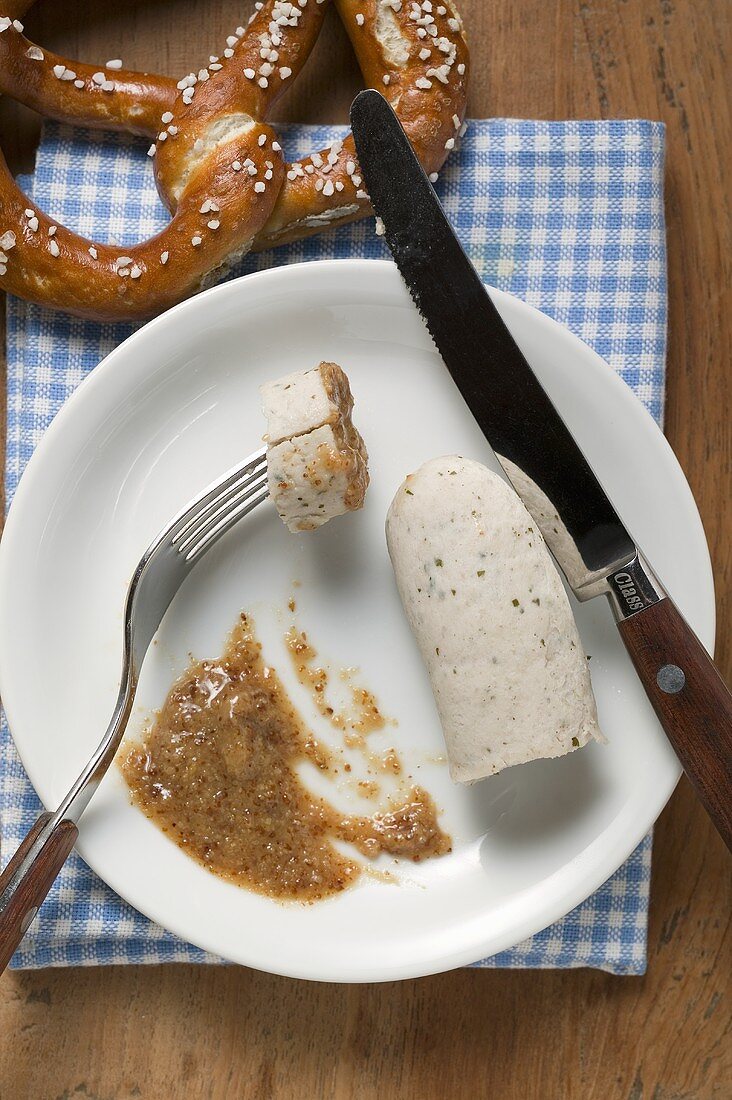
[164,566]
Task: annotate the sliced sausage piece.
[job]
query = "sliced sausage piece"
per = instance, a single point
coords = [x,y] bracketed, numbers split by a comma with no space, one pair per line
[317,463]
[305,400]
[491,618]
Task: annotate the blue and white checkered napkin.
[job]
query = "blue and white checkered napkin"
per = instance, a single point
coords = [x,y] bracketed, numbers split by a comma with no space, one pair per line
[566,215]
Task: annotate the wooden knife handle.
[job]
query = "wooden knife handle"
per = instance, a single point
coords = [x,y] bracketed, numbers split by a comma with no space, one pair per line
[20,900]
[691,700]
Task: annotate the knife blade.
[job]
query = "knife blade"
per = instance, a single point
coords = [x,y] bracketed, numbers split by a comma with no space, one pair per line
[541,458]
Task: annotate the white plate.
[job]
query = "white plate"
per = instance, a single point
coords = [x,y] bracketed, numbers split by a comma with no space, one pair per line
[162,416]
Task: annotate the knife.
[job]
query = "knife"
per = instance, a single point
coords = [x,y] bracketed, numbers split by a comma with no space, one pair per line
[542,460]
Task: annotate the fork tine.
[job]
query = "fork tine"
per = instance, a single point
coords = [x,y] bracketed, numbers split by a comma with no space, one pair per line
[213,502]
[220,508]
[225,498]
[211,496]
[212,534]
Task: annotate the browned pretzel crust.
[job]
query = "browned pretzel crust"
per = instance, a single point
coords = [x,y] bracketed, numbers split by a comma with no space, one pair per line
[218,166]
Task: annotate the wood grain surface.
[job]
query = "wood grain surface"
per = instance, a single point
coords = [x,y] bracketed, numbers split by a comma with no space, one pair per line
[167,1032]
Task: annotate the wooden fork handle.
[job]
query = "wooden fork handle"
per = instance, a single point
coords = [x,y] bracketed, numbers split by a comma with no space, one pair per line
[21,894]
[691,700]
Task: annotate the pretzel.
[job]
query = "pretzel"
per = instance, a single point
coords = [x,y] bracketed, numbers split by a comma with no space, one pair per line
[218,166]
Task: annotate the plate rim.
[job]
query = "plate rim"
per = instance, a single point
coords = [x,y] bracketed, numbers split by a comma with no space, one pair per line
[361,269]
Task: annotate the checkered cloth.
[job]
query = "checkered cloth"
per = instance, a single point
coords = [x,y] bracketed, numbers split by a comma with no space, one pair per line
[566,215]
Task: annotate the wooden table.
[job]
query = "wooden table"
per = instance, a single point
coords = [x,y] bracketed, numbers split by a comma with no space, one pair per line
[181,1031]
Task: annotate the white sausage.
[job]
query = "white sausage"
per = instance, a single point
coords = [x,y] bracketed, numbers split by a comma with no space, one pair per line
[491,618]
[317,464]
